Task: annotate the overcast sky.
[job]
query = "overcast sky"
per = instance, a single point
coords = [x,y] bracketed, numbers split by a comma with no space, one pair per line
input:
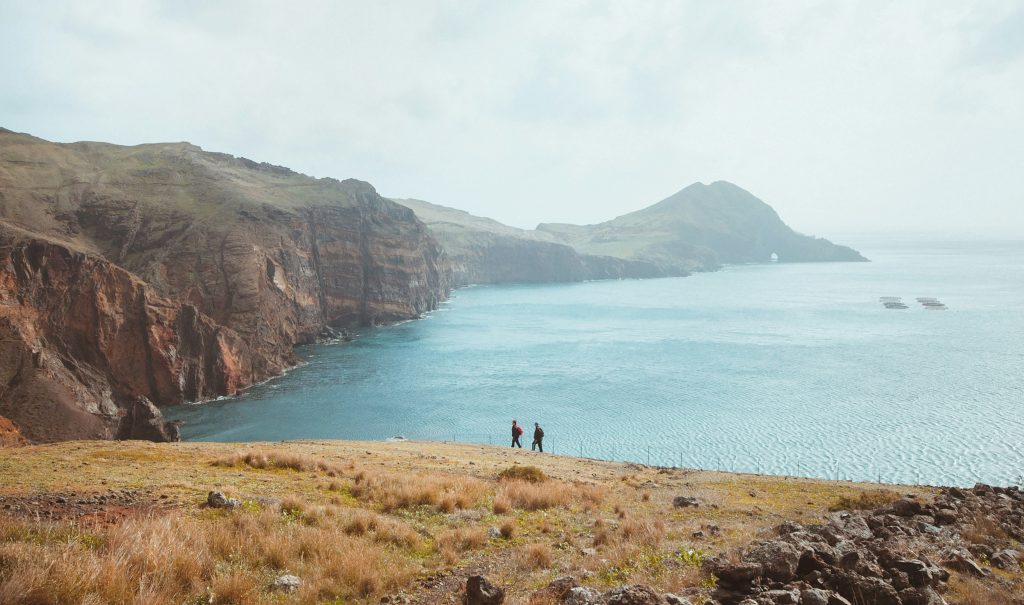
[845,116]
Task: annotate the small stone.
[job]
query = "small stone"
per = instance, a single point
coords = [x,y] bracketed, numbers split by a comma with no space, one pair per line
[685,502]
[582,595]
[219,500]
[481,592]
[286,583]
[494,533]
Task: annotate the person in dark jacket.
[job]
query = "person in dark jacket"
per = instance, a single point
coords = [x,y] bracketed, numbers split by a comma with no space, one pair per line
[538,438]
[517,431]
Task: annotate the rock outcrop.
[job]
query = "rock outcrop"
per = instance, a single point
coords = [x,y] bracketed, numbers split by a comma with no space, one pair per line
[160,274]
[10,435]
[901,554]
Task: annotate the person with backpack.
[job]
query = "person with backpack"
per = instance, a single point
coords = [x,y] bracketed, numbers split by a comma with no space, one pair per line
[538,438]
[517,431]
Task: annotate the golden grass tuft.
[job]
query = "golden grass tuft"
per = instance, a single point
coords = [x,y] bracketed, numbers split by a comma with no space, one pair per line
[501,506]
[462,539]
[177,558]
[536,496]
[392,492]
[531,474]
[536,556]
[868,500]
[278,460]
[508,529]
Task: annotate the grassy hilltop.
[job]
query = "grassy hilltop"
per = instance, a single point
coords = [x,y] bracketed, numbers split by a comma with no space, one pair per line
[127,522]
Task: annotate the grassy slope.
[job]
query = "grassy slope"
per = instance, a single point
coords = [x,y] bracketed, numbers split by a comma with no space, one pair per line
[415,514]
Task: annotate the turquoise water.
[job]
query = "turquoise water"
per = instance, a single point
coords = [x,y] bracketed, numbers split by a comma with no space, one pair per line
[783,369]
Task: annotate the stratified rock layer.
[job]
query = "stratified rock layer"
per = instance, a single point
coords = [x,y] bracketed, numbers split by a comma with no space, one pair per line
[162,274]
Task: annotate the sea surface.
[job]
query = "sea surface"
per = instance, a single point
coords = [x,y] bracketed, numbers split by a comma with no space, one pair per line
[792,369]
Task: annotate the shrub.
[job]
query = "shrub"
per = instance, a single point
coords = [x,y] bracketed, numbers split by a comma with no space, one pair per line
[462,539]
[501,506]
[508,529]
[536,496]
[537,556]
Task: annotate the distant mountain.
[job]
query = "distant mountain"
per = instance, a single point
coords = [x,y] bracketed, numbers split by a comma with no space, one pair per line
[698,229]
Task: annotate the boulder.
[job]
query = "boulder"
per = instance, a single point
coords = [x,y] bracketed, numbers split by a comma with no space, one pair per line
[782,597]
[674,599]
[945,516]
[814,596]
[778,560]
[959,561]
[286,583]
[481,592]
[685,502]
[906,507]
[219,500]
[918,573]
[557,589]
[635,594]
[1005,559]
[582,595]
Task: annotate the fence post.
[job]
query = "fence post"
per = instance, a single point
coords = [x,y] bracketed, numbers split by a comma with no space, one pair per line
[581,449]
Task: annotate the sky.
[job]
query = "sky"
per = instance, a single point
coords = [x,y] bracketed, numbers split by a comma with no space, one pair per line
[847,117]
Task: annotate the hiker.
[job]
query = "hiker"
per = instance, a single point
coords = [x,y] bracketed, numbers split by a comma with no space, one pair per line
[538,438]
[517,431]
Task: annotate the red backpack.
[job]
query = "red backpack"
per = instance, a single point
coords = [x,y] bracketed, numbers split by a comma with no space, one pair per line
[519,430]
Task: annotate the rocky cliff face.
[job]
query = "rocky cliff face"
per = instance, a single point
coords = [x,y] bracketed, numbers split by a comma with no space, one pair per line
[158,274]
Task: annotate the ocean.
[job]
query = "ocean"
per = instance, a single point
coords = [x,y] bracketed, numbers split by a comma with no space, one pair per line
[792,369]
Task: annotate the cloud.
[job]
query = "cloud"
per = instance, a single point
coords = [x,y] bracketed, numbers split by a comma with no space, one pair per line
[844,115]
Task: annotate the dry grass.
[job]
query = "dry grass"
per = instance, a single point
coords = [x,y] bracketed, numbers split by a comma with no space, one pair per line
[536,496]
[868,500]
[462,539]
[355,534]
[501,506]
[176,558]
[278,460]
[393,491]
[965,590]
[530,474]
[984,530]
[536,556]
[508,529]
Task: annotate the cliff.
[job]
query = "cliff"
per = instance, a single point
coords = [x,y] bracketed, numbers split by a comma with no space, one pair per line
[701,227]
[484,251]
[164,273]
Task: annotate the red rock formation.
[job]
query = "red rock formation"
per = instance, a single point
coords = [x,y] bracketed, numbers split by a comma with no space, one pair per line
[10,436]
[164,274]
